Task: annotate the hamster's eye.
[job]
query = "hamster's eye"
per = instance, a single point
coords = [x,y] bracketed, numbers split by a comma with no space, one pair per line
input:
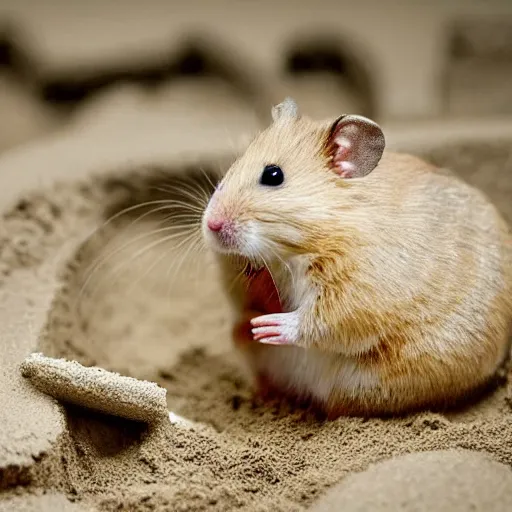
[272,176]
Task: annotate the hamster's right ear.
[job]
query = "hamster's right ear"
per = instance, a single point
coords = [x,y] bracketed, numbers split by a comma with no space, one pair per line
[355,145]
[287,109]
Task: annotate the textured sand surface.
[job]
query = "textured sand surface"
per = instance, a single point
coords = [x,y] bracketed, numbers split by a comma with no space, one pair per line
[29,423]
[419,481]
[150,316]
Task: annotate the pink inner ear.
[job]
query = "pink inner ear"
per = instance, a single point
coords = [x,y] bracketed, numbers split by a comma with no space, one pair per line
[342,156]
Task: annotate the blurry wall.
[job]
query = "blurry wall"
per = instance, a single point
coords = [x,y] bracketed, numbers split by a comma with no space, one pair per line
[228,61]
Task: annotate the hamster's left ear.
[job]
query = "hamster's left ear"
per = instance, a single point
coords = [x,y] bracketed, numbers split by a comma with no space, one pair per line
[286,110]
[355,145]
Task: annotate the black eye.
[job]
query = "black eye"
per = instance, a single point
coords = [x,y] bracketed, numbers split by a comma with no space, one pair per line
[272,176]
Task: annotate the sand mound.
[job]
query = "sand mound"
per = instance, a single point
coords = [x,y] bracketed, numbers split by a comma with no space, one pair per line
[450,481]
[153,310]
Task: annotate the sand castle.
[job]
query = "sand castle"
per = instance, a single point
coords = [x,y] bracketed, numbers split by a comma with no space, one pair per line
[161,343]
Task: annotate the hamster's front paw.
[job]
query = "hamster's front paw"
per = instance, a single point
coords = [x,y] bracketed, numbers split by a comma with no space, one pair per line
[276,329]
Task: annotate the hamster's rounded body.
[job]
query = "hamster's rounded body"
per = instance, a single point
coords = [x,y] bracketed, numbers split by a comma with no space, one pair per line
[395,286]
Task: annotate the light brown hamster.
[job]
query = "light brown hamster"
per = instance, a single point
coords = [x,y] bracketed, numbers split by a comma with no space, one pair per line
[394,276]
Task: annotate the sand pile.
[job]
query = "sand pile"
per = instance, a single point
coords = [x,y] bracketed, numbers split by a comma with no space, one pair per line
[160,316]
[418,482]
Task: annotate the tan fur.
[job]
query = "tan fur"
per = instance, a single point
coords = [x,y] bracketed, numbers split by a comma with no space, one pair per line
[403,278]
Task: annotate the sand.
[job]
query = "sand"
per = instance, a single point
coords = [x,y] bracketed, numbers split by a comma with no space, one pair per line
[476,483]
[42,503]
[161,316]
[95,388]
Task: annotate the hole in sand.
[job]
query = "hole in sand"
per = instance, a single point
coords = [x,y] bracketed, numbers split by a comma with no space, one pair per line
[262,459]
[147,307]
[161,315]
[326,75]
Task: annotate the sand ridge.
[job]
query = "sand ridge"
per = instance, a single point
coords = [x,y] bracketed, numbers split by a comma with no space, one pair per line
[96,388]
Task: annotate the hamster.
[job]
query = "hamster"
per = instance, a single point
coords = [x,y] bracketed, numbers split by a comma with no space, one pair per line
[373,283]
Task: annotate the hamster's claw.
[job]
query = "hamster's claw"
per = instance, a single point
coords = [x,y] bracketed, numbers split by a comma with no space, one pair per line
[276,329]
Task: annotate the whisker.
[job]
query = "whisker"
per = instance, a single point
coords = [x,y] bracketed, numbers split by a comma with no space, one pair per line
[200,250]
[207,188]
[168,202]
[270,273]
[93,267]
[186,205]
[185,216]
[163,208]
[158,260]
[206,194]
[117,251]
[178,266]
[187,190]
[175,190]
[205,174]
[202,199]
[194,186]
[145,250]
[200,245]
[237,278]
[168,205]
[274,252]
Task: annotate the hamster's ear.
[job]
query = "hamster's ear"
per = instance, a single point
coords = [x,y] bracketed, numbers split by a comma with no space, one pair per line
[355,145]
[287,109]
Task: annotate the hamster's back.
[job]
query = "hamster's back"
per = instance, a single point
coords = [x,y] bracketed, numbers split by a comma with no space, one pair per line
[435,264]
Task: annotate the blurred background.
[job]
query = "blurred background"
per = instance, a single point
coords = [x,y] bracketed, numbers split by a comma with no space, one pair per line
[222,63]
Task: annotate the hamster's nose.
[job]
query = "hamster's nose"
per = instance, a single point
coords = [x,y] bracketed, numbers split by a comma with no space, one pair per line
[215,225]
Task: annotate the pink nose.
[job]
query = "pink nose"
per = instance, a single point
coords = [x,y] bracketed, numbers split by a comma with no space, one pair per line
[215,225]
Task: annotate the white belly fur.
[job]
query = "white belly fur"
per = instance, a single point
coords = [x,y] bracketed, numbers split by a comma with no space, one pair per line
[311,373]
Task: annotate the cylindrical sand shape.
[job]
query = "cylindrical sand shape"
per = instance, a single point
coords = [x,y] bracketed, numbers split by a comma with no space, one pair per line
[96,388]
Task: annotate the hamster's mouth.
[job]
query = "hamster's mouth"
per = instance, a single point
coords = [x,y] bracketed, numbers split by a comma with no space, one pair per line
[252,270]
[262,294]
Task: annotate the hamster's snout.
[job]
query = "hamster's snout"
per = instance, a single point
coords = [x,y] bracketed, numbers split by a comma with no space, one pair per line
[215,225]
[219,225]
[220,231]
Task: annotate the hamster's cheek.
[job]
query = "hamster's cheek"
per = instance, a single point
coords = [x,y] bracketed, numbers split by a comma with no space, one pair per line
[252,241]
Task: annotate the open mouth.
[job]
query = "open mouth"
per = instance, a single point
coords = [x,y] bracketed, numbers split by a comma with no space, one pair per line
[252,271]
[262,294]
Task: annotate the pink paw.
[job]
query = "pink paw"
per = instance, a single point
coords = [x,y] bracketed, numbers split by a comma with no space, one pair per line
[276,329]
